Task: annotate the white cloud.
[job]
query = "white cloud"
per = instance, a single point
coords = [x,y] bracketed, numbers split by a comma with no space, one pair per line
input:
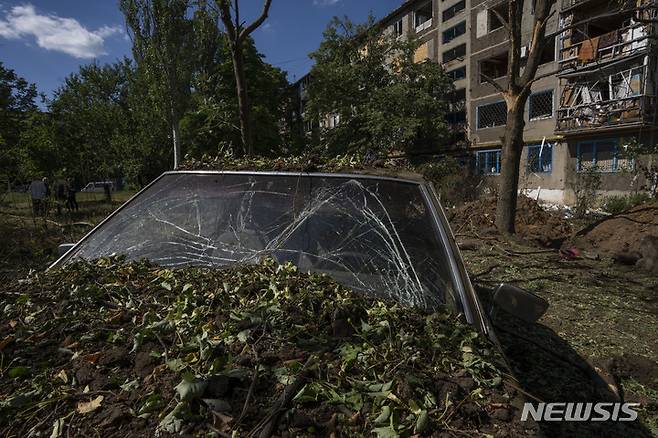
[55,33]
[325,2]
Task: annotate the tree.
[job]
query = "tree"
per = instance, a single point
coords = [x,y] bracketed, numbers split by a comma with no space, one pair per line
[520,78]
[163,47]
[214,117]
[237,35]
[17,104]
[91,118]
[380,98]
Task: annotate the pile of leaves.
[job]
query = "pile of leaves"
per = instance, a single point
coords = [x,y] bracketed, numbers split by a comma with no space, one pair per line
[116,348]
[295,163]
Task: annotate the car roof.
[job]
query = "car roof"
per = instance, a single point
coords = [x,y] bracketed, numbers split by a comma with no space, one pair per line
[374,172]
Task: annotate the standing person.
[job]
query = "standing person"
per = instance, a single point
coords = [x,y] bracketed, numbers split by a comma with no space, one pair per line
[71,203]
[60,195]
[108,191]
[45,204]
[38,193]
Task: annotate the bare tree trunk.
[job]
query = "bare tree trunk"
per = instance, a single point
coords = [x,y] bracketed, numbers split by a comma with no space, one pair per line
[243,101]
[510,166]
[175,136]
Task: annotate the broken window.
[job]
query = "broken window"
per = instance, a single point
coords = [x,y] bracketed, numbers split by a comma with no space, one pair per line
[548,55]
[372,234]
[454,53]
[540,158]
[457,74]
[423,51]
[454,32]
[540,105]
[488,162]
[454,10]
[397,28]
[601,155]
[494,67]
[423,17]
[491,115]
[496,13]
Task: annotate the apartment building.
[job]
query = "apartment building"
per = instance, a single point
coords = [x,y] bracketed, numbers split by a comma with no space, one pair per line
[600,97]
[596,95]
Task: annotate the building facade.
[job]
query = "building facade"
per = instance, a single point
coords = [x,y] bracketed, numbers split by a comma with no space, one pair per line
[597,91]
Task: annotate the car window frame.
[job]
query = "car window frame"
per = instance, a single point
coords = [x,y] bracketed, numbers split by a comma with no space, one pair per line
[467,302]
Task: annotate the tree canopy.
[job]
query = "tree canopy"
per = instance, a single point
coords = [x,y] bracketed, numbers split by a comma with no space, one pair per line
[380,96]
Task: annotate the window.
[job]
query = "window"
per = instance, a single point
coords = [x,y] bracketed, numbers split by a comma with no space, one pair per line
[454,10]
[494,67]
[455,53]
[491,115]
[548,55]
[540,158]
[423,17]
[601,155]
[494,16]
[456,118]
[424,51]
[540,105]
[454,32]
[457,74]
[397,28]
[488,162]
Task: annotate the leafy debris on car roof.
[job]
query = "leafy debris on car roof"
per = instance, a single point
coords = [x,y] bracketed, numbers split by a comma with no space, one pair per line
[115,348]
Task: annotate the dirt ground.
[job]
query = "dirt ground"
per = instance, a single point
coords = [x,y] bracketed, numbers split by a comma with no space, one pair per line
[602,316]
[622,233]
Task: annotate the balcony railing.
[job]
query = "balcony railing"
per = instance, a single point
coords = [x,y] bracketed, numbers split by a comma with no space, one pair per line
[578,50]
[633,110]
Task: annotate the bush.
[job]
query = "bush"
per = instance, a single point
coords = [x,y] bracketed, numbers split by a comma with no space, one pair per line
[620,204]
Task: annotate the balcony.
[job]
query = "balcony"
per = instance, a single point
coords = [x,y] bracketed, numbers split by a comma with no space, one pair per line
[606,98]
[580,50]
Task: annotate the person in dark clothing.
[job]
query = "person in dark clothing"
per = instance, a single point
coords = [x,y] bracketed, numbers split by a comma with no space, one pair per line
[71,203]
[60,195]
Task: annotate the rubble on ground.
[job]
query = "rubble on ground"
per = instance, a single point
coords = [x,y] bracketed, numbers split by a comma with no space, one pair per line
[113,348]
[630,237]
[533,222]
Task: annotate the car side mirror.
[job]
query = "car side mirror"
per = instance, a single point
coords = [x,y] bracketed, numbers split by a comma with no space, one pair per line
[520,303]
[64,248]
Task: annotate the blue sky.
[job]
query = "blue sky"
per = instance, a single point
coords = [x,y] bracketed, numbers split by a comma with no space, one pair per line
[46,40]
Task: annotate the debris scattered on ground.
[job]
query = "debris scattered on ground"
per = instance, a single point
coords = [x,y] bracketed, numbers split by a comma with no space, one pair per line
[115,348]
[533,223]
[627,237]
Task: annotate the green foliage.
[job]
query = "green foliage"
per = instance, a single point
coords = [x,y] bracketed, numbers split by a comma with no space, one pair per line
[210,333]
[17,105]
[620,204]
[384,100]
[586,187]
[214,117]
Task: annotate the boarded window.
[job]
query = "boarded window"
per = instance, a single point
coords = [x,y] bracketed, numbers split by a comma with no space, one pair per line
[540,105]
[490,115]
[423,52]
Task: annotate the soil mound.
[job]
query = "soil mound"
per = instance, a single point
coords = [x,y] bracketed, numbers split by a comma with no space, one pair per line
[121,349]
[621,233]
[533,222]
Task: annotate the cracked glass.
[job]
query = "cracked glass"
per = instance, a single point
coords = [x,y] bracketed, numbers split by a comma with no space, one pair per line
[372,235]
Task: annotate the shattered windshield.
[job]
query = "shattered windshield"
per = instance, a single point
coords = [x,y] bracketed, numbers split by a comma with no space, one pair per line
[373,235]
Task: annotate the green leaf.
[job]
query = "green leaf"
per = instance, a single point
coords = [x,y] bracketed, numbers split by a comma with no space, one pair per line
[18,372]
